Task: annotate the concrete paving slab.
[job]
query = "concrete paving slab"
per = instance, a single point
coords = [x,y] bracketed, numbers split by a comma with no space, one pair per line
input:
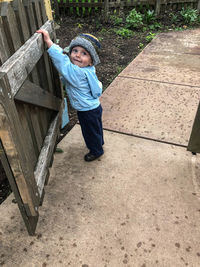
[164,68]
[185,42]
[150,109]
[169,60]
[136,206]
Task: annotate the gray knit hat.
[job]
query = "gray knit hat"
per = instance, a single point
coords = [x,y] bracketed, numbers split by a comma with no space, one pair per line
[90,43]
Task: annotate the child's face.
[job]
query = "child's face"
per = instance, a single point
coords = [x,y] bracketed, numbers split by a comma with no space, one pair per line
[80,57]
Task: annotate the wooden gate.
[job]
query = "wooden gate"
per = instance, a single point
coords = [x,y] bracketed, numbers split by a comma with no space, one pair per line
[31,103]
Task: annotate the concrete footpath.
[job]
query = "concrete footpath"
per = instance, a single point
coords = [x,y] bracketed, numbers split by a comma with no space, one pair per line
[139,204]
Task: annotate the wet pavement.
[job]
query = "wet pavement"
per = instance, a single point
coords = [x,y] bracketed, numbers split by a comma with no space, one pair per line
[139,204]
[153,110]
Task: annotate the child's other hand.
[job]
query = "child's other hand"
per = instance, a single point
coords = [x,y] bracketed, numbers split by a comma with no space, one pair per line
[46,37]
[45,34]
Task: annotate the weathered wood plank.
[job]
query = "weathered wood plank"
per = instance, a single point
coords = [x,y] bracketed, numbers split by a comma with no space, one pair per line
[41,67]
[10,26]
[198,6]
[15,162]
[28,142]
[92,8]
[106,10]
[11,126]
[43,11]
[30,222]
[34,75]
[4,49]
[48,72]
[119,4]
[37,13]
[178,1]
[36,126]
[41,170]
[75,4]
[42,120]
[30,16]
[158,6]
[21,20]
[86,9]
[19,65]
[33,94]
[56,83]
[27,114]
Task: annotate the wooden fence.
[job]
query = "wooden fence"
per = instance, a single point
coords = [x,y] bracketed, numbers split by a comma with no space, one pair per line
[105,7]
[31,103]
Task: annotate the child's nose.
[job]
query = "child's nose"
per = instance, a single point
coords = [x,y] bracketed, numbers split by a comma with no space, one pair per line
[78,54]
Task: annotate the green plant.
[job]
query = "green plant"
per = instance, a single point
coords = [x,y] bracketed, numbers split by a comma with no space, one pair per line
[134,19]
[120,69]
[149,17]
[144,29]
[116,20]
[178,29]
[174,17]
[189,15]
[156,25]
[79,25]
[141,46]
[125,33]
[150,36]
[103,30]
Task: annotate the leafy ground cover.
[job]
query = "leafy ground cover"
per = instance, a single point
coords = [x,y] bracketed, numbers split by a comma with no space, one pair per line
[122,38]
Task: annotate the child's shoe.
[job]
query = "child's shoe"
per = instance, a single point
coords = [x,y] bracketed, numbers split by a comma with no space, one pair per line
[91,157]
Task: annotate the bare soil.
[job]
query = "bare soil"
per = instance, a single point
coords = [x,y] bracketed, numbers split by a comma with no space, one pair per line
[116,53]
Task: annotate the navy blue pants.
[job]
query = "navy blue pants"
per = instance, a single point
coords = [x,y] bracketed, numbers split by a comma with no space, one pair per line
[92,129]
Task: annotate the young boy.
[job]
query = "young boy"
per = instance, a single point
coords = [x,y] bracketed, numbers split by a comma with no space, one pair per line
[82,86]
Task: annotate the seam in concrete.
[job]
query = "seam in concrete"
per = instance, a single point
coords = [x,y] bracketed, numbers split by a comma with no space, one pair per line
[194,54]
[140,79]
[146,138]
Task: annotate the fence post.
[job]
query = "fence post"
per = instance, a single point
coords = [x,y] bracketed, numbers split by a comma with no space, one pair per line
[198,6]
[106,10]
[158,4]
[47,5]
[194,142]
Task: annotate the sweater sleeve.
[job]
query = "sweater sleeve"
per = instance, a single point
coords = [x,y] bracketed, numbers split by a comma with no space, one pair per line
[69,71]
[94,83]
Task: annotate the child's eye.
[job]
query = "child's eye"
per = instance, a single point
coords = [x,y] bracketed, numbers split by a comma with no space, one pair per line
[75,50]
[84,53]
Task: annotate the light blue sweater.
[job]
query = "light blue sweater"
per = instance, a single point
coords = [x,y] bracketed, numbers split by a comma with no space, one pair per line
[81,84]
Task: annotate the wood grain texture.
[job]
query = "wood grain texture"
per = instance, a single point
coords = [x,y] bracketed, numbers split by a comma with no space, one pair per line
[35,95]
[44,160]
[18,66]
